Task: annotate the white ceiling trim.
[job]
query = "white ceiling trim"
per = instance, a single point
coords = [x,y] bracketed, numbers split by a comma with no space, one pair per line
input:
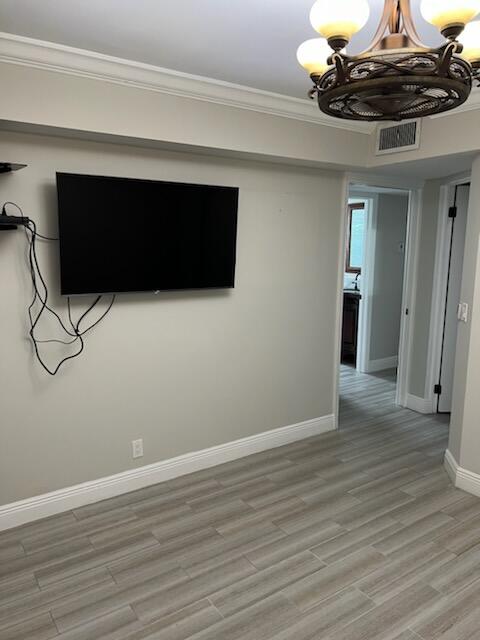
[89,64]
[471,104]
[369,180]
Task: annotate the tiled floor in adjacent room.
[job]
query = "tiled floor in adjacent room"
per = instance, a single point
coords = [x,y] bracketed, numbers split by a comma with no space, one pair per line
[352,535]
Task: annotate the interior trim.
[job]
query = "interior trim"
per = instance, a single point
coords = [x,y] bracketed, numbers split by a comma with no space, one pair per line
[382,364]
[59,58]
[461,478]
[49,504]
[472,104]
[420,405]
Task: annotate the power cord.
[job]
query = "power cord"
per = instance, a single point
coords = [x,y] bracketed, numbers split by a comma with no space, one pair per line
[41,295]
[25,220]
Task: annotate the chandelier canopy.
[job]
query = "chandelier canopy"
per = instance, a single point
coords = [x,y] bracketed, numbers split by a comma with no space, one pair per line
[397,77]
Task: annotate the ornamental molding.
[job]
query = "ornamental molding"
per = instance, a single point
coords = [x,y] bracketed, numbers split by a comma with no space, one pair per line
[49,56]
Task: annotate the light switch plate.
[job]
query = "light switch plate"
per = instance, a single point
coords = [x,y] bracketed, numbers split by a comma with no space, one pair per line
[463,312]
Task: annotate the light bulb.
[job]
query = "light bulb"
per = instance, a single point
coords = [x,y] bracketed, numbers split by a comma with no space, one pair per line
[339,18]
[313,55]
[470,39]
[448,13]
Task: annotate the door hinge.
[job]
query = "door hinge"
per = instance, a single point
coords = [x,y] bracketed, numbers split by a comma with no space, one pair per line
[437,389]
[452,212]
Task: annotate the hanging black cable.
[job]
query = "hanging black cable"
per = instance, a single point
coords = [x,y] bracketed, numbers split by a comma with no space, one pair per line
[41,295]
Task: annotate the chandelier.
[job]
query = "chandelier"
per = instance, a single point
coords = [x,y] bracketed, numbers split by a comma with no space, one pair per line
[397,77]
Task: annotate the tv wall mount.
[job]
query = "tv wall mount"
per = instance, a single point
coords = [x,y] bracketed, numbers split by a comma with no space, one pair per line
[8,167]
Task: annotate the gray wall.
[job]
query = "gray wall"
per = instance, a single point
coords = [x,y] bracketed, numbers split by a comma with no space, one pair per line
[465,422]
[33,97]
[184,371]
[387,285]
[423,302]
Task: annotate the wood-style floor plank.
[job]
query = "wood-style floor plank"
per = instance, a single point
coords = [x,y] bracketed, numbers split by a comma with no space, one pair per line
[351,535]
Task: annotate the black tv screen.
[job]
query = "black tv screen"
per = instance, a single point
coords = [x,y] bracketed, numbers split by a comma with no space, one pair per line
[124,235]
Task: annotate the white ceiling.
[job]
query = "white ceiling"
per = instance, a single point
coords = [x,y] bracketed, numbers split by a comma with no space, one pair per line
[429,168]
[248,42]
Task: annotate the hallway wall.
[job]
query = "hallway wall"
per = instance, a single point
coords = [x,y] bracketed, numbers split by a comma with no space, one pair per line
[387,286]
[424,287]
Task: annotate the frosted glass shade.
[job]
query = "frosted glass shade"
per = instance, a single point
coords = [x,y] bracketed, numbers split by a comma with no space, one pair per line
[470,39]
[339,18]
[313,55]
[446,13]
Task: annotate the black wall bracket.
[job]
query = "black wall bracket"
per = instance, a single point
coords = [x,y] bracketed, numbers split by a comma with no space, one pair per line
[9,223]
[8,167]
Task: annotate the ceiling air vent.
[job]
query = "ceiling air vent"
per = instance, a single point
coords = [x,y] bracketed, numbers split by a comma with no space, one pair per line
[398,137]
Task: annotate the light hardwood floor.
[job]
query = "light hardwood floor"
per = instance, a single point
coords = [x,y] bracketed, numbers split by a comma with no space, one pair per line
[353,535]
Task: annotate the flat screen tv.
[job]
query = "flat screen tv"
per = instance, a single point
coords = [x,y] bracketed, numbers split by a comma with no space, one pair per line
[124,235]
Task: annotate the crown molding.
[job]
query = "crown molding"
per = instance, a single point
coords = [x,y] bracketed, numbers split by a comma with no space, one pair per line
[472,104]
[59,58]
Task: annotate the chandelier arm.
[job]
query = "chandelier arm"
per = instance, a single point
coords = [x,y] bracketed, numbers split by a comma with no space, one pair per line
[388,10]
[395,22]
[447,54]
[398,77]
[337,60]
[409,24]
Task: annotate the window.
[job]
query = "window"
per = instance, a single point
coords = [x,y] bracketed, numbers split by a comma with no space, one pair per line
[355,234]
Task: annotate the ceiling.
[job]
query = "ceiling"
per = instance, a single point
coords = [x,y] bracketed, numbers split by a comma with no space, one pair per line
[248,42]
[428,168]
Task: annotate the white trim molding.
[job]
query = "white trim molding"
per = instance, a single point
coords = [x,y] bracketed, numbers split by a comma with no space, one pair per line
[382,364]
[368,272]
[59,58]
[420,405]
[49,504]
[409,294]
[342,240]
[472,104]
[462,478]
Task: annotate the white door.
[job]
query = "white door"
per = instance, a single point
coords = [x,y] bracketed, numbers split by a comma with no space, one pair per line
[453,292]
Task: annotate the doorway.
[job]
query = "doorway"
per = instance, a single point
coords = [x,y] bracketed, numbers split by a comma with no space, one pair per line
[373,288]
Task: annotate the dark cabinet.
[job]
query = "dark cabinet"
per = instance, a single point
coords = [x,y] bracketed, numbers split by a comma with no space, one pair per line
[351,305]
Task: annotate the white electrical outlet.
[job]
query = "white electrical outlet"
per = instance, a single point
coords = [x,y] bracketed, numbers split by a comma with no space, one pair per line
[137,448]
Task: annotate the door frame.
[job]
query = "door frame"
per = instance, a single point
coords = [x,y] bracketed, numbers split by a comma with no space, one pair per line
[351,183]
[365,312]
[439,295]
[410,271]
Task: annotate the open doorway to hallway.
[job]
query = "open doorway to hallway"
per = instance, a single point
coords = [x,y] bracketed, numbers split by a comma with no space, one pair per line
[373,288]
[422,373]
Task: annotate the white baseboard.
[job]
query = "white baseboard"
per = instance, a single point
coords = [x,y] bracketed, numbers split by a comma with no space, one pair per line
[420,405]
[382,364]
[462,478]
[49,504]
